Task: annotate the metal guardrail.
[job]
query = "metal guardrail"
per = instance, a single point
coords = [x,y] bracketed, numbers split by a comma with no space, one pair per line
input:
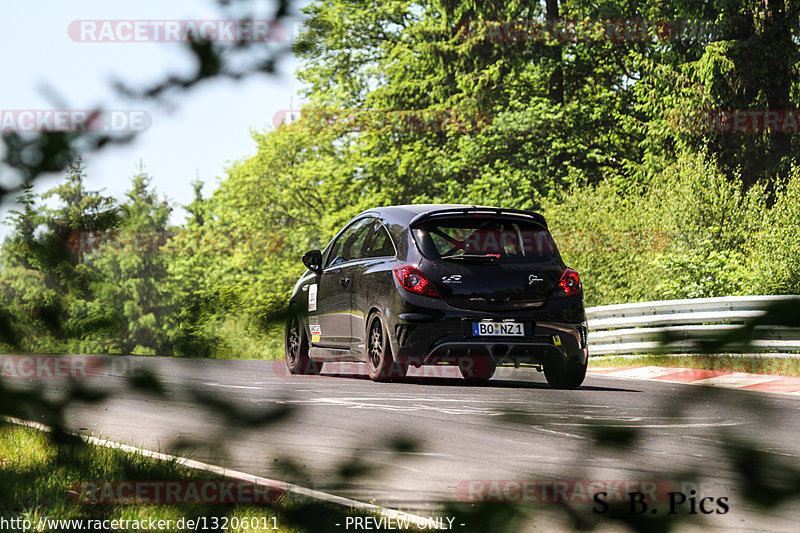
[639,327]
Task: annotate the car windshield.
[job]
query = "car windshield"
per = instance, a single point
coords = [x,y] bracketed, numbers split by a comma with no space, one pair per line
[501,240]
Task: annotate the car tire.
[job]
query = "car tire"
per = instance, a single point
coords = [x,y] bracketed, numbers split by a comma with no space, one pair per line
[477,369]
[562,374]
[381,366]
[296,348]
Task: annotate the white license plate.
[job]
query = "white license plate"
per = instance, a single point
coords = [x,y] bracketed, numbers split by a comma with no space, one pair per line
[505,329]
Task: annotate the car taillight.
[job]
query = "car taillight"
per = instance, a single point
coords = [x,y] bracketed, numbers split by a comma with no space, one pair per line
[569,284]
[415,281]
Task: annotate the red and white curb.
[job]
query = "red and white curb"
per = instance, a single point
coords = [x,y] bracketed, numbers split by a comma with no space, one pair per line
[715,378]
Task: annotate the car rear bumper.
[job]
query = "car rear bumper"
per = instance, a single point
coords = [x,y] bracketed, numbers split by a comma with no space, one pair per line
[536,351]
[427,338]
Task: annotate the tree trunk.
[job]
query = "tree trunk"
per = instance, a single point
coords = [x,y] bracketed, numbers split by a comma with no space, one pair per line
[777,43]
[556,82]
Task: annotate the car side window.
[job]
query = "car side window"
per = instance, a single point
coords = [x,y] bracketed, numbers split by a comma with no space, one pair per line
[350,243]
[379,244]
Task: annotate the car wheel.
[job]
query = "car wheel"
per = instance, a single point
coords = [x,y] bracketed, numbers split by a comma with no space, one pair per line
[297,358]
[380,364]
[561,374]
[477,368]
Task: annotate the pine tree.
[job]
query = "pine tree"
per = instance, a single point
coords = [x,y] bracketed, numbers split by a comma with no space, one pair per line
[20,248]
[47,276]
[133,268]
[80,216]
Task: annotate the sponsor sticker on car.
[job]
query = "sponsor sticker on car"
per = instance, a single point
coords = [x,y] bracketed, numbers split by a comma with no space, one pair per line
[312,297]
[316,332]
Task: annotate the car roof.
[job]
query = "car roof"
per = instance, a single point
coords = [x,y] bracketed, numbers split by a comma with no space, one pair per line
[405,214]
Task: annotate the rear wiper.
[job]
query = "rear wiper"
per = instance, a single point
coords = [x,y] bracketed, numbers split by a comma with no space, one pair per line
[471,258]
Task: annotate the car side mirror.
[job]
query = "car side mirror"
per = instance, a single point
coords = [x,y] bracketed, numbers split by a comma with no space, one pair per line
[313,261]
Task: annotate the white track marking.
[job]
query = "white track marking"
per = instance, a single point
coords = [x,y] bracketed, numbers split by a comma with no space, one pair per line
[662,426]
[737,379]
[642,372]
[212,384]
[358,403]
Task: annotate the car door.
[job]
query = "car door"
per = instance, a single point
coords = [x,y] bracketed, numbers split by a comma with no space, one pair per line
[378,249]
[333,294]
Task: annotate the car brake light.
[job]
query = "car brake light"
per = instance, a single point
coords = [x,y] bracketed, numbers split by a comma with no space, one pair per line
[414,281]
[569,284]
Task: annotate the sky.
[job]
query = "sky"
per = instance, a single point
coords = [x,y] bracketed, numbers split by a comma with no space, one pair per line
[208,129]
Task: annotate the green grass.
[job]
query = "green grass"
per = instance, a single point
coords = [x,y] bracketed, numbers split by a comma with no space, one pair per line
[725,362]
[38,476]
[238,340]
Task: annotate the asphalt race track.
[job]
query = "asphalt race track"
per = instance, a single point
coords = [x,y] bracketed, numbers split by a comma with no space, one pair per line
[459,442]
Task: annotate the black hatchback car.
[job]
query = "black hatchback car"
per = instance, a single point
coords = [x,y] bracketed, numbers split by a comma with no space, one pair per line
[478,287]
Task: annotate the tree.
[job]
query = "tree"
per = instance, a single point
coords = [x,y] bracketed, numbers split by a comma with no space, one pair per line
[273,207]
[133,272]
[20,249]
[743,55]
[541,113]
[46,278]
[78,215]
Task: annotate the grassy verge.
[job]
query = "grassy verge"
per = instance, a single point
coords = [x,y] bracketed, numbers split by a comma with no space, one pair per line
[38,480]
[238,340]
[726,362]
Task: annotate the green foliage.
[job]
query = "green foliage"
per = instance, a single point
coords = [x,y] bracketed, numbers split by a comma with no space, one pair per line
[133,284]
[747,61]
[698,275]
[689,234]
[63,295]
[436,58]
[40,480]
[773,266]
[290,197]
[45,276]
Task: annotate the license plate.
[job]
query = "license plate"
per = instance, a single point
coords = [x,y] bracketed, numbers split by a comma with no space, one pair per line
[505,329]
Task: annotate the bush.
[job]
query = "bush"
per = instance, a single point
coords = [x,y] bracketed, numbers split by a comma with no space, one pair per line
[690,233]
[773,265]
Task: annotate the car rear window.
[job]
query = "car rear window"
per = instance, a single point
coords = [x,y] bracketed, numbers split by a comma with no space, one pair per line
[509,240]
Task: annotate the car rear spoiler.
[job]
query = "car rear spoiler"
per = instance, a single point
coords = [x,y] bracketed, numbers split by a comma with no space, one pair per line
[480,211]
